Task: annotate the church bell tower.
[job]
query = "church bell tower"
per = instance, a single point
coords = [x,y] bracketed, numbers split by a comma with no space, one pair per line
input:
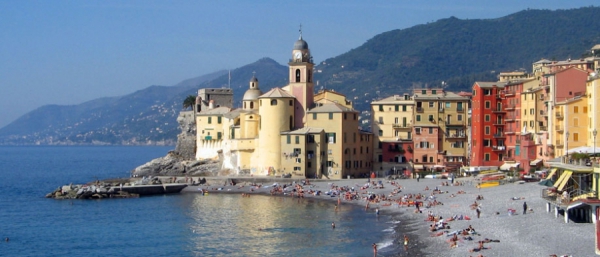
[301,80]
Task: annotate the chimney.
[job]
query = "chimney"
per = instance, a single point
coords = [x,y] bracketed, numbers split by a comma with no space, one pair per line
[211,104]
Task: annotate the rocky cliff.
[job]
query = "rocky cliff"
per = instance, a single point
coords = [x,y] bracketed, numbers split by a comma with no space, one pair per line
[182,161]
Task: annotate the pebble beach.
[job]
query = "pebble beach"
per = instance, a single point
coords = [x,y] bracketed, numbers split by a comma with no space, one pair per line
[536,233]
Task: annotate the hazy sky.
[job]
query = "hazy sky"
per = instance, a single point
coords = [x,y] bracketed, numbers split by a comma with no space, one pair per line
[68,52]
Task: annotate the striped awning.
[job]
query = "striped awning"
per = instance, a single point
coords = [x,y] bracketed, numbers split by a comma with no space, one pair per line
[535,162]
[418,167]
[552,171]
[563,182]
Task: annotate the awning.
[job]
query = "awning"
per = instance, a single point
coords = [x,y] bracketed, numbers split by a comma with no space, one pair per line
[541,171]
[418,167]
[439,166]
[563,183]
[535,162]
[508,166]
[560,179]
[552,171]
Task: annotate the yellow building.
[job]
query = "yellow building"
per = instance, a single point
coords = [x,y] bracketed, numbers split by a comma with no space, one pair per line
[571,131]
[392,128]
[286,130]
[593,95]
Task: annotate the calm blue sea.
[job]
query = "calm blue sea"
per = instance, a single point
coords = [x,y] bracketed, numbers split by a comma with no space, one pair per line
[175,225]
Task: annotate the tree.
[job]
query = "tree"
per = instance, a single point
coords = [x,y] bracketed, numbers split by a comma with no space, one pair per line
[189,102]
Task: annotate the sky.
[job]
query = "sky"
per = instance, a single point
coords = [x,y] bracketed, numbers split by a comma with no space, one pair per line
[68,52]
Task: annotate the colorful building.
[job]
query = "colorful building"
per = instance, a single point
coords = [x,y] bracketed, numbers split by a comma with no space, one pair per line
[487,130]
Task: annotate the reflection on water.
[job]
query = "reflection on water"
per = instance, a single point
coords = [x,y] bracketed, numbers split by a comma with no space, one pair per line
[231,225]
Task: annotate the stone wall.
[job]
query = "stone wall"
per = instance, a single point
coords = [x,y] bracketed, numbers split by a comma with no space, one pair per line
[186,140]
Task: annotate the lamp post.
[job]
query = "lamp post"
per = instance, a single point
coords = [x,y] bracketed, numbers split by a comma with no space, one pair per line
[567,146]
[594,133]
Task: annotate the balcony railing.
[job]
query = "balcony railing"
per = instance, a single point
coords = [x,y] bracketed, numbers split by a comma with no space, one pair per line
[402,125]
[460,109]
[509,107]
[543,128]
[559,128]
[498,123]
[559,116]
[509,92]
[498,148]
[420,109]
[456,135]
[559,144]
[498,110]
[499,135]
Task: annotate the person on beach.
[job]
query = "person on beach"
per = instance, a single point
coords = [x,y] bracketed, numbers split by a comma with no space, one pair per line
[333,225]
[524,207]
[478,210]
[406,242]
[377,211]
[374,249]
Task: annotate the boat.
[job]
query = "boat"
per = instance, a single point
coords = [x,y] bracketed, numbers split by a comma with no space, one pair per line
[155,189]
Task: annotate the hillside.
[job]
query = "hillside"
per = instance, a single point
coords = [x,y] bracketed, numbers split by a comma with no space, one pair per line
[452,50]
[147,116]
[458,52]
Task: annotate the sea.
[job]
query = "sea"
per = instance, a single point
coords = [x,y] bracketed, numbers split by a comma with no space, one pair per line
[185,224]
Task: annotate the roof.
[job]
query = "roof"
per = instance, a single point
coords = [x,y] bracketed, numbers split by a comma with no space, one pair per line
[331,107]
[543,61]
[236,113]
[395,99]
[441,96]
[276,93]
[252,94]
[303,131]
[215,111]
[483,84]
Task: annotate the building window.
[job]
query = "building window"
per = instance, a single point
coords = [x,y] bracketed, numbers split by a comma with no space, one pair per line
[430,130]
[418,118]
[331,138]
[273,102]
[487,104]
[380,158]
[380,132]
[291,103]
[309,164]
[431,118]
[487,117]
[448,105]
[396,108]
[219,120]
[219,134]
[486,157]
[585,109]
[459,117]
[403,108]
[329,163]
[314,115]
[433,92]
[431,104]
[575,137]
[331,115]
[487,130]
[575,109]
[430,158]
[209,120]
[380,108]
[345,116]
[380,120]
[289,139]
[297,139]
[424,91]
[251,105]
[355,116]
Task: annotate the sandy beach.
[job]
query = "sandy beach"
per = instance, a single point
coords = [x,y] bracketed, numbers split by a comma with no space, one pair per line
[537,233]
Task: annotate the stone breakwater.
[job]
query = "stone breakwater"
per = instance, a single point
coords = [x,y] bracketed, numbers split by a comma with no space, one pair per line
[95,190]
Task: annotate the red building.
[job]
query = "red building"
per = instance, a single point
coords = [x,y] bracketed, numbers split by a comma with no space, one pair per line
[487,119]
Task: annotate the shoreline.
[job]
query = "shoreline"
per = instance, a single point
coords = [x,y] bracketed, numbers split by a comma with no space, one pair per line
[536,233]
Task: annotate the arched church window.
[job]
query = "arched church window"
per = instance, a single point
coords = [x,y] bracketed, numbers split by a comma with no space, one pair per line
[273,102]
[291,103]
[297,75]
[244,105]
[251,105]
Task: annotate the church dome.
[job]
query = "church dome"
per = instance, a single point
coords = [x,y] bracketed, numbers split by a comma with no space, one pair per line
[252,94]
[300,45]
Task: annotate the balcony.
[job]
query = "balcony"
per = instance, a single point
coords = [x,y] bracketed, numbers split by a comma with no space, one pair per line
[544,113]
[498,110]
[498,123]
[509,107]
[498,148]
[456,135]
[559,128]
[509,132]
[543,128]
[559,144]
[509,92]
[499,135]
[509,118]
[559,116]
[460,109]
[402,126]
[420,109]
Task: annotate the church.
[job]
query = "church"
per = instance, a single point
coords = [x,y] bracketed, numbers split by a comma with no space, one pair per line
[287,130]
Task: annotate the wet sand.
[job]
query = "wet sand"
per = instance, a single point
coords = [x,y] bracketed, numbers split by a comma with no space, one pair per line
[537,233]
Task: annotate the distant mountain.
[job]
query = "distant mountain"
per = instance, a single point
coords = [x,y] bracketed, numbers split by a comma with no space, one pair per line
[147,116]
[458,52]
[452,50]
